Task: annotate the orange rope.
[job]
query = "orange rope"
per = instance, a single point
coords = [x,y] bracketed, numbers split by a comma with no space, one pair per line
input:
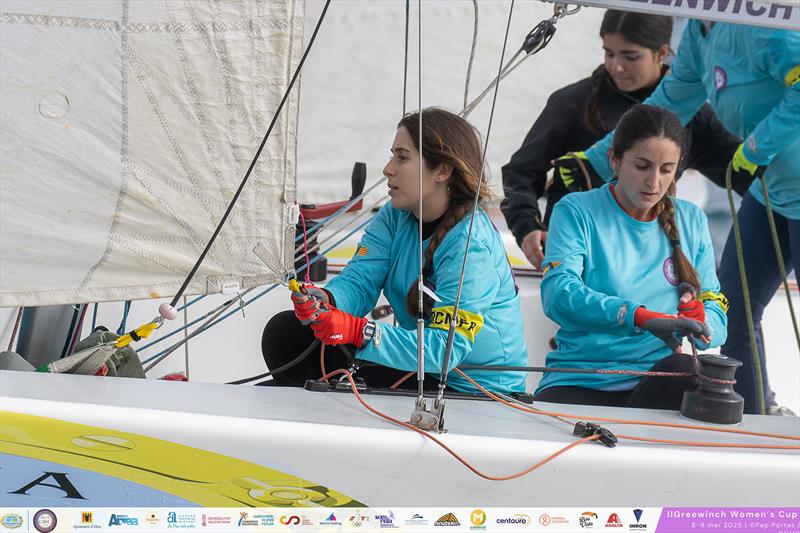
[443,445]
[648,423]
[401,380]
[322,361]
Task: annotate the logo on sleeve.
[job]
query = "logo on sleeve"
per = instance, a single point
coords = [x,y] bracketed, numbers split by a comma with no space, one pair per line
[669,271]
[720,78]
[552,265]
[362,251]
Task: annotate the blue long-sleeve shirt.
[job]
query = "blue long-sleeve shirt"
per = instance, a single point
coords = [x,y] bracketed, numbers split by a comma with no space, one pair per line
[751,78]
[491,329]
[600,265]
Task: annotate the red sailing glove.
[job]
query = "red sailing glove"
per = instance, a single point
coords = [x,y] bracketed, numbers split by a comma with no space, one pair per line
[308,304]
[669,328]
[337,327]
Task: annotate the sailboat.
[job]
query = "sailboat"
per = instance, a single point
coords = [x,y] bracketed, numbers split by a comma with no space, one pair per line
[125,129]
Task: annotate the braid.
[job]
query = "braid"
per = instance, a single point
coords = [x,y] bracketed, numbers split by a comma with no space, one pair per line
[665,211]
[591,115]
[451,217]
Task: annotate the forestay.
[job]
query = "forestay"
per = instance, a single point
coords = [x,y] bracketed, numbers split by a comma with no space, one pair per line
[125,128]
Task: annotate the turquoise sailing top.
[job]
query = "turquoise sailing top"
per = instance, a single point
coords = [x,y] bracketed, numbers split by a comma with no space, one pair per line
[490,328]
[751,78]
[600,265]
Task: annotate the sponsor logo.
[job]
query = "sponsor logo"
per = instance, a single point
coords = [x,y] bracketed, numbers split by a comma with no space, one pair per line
[86,521]
[720,78]
[180,520]
[44,521]
[477,517]
[545,520]
[613,520]
[330,521]
[358,520]
[215,520]
[586,520]
[123,520]
[152,520]
[266,519]
[669,271]
[362,251]
[386,520]
[638,525]
[11,521]
[245,521]
[292,520]
[416,520]
[448,519]
[517,519]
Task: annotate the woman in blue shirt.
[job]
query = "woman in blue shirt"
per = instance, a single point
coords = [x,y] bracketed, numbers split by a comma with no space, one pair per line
[623,264]
[751,78]
[387,260]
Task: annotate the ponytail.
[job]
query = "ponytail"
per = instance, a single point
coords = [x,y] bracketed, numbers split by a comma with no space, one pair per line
[665,211]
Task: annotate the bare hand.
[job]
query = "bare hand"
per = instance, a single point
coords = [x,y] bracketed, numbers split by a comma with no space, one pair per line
[533,247]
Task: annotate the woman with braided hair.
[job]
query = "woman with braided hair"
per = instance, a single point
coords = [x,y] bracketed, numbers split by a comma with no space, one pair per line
[629,271]
[490,327]
[576,116]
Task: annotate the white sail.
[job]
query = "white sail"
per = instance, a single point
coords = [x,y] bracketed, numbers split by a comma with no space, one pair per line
[125,128]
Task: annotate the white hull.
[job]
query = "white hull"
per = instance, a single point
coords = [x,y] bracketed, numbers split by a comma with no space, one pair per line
[328,440]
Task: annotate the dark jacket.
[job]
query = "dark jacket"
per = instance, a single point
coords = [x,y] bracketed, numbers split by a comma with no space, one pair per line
[561,128]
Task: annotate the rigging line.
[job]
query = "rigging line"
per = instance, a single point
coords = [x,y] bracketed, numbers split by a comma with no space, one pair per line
[15,330]
[216,312]
[447,448]
[94,316]
[737,234]
[471,51]
[454,319]
[76,335]
[264,292]
[208,313]
[65,349]
[125,310]
[537,38]
[421,279]
[405,59]
[341,211]
[281,368]
[779,256]
[632,422]
[318,245]
[620,372]
[238,192]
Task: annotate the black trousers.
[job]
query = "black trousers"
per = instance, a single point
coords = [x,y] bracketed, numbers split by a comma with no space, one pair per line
[651,392]
[285,338]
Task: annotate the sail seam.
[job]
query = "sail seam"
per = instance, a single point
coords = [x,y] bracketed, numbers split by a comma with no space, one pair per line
[139,27]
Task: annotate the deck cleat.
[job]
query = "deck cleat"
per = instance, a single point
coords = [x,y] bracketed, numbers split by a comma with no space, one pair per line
[587,429]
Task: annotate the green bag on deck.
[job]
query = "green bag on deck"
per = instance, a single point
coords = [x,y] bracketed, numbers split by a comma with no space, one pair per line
[123,363]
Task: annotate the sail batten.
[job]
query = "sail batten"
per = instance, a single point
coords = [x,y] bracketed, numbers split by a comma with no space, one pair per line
[124,133]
